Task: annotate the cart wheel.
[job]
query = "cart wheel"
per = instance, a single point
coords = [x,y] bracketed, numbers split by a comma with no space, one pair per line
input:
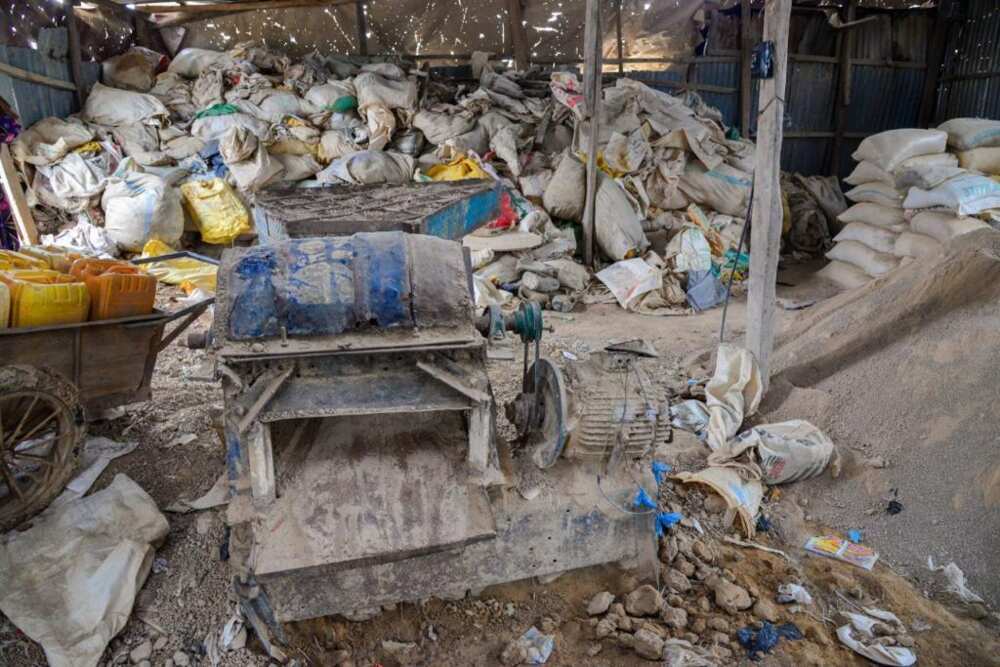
[41,427]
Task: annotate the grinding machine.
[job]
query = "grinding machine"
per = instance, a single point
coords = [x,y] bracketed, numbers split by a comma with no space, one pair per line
[362,449]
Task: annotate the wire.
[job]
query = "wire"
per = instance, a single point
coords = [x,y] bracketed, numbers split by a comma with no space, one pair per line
[736,261]
[618,507]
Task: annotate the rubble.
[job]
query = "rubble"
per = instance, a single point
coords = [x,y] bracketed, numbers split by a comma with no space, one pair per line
[643,601]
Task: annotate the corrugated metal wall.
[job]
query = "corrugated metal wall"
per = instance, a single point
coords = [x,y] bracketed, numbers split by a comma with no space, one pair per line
[970,81]
[34,101]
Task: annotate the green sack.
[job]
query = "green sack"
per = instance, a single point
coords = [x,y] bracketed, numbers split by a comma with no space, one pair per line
[217,110]
[343,104]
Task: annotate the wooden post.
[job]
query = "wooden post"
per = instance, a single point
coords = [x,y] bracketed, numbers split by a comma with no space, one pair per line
[75,57]
[843,89]
[765,235]
[362,28]
[746,51]
[592,54]
[934,59]
[518,36]
[26,230]
[618,34]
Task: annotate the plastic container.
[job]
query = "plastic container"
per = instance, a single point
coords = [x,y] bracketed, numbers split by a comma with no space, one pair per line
[11,260]
[4,306]
[58,259]
[117,289]
[215,208]
[40,298]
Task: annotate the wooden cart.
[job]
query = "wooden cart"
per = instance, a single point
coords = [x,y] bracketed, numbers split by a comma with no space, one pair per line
[53,379]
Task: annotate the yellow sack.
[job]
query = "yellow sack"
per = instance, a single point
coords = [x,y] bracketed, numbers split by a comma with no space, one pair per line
[215,208]
[184,271]
[460,169]
[89,148]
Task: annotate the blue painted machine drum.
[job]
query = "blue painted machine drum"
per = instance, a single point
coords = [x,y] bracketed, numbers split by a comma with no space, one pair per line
[334,285]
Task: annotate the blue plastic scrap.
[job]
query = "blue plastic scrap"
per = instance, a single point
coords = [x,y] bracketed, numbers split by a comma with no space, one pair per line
[704,290]
[660,470]
[643,501]
[854,535]
[766,638]
[666,519]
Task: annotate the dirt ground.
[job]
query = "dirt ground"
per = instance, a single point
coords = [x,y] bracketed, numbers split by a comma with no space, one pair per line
[187,596]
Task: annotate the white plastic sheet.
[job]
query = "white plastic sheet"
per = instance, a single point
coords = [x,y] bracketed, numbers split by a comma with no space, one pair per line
[629,279]
[733,393]
[70,581]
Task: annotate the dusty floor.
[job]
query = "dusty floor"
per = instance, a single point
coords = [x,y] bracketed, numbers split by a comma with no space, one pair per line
[187,597]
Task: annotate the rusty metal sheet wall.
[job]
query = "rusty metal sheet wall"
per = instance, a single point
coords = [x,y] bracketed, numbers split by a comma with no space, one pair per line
[884,98]
[970,77]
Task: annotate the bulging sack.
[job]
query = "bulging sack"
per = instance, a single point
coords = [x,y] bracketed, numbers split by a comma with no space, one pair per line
[986,160]
[369,167]
[844,275]
[376,90]
[133,70]
[114,106]
[911,244]
[876,192]
[943,227]
[565,195]
[326,94]
[618,228]
[139,207]
[866,172]
[888,149]
[969,133]
[876,238]
[967,194]
[724,189]
[872,262]
[875,214]
[440,127]
[191,62]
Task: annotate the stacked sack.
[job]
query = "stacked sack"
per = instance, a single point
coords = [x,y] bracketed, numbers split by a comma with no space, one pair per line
[911,196]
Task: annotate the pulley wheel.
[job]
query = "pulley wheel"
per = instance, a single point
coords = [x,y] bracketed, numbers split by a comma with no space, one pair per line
[40,432]
[547,434]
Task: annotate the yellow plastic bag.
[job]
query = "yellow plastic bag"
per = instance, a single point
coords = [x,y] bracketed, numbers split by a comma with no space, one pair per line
[220,215]
[189,274]
[460,169]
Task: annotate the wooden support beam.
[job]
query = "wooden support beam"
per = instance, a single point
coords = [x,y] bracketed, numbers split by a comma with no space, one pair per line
[518,35]
[26,230]
[765,233]
[746,51]
[75,56]
[25,75]
[219,7]
[592,53]
[843,88]
[618,36]
[940,31]
[362,20]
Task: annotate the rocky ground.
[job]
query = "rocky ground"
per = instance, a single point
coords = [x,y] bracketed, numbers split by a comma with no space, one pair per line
[705,590]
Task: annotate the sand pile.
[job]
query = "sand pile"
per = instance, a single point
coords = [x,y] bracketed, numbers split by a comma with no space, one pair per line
[904,375]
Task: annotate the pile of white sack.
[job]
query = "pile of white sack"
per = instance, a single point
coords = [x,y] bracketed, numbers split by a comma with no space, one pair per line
[673,179]
[915,190]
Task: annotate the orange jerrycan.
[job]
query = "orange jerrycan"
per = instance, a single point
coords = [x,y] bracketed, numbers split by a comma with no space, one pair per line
[117,289]
[40,298]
